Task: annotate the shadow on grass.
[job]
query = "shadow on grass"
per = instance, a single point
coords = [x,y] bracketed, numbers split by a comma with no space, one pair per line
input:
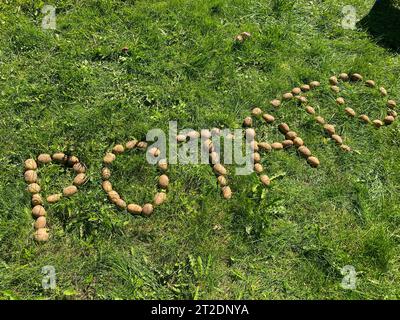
[383,24]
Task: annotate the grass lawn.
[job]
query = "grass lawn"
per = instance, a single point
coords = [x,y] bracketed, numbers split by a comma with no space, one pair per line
[73,90]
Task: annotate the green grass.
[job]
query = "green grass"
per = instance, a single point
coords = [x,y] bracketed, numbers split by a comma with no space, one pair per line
[72,90]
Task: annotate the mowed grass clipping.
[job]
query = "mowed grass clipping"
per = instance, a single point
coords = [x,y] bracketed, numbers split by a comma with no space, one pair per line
[73,90]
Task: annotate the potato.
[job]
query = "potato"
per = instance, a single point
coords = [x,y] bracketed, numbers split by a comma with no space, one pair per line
[163,164]
[356,77]
[283,128]
[38,211]
[44,158]
[248,122]
[105,173]
[383,91]
[40,222]
[134,208]
[120,203]
[41,235]
[72,160]
[179,138]
[30,164]
[118,149]
[392,113]
[59,157]
[80,179]
[305,88]
[131,144]
[377,123]
[313,161]
[265,180]
[36,199]
[298,142]
[264,146]
[344,76]
[391,104]
[320,120]
[79,167]
[54,198]
[291,135]
[287,143]
[335,89]
[296,91]
[159,198]
[370,83]
[208,145]
[219,169]
[214,157]
[141,145]
[350,112]
[222,181]
[389,120]
[227,192]
[330,129]
[314,84]
[302,99]
[256,112]
[113,195]
[250,133]
[333,81]
[193,134]
[253,145]
[109,158]
[34,188]
[258,168]
[256,157]
[239,38]
[30,176]
[155,152]
[147,209]
[345,148]
[304,151]
[287,96]
[268,118]
[310,110]
[364,118]
[338,139]
[69,191]
[275,103]
[163,181]
[206,134]
[277,146]
[215,132]
[340,101]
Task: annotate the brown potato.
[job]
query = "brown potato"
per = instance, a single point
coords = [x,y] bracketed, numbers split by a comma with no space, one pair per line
[287,96]
[392,113]
[335,89]
[30,164]
[287,143]
[356,77]
[107,186]
[80,179]
[340,101]
[44,158]
[296,91]
[370,83]
[377,123]
[147,209]
[275,103]
[304,151]
[155,152]
[72,160]
[215,132]
[54,198]
[258,168]
[179,138]
[59,157]
[227,192]
[30,176]
[79,167]
[118,149]
[350,112]
[250,133]
[389,120]
[333,81]
[163,164]
[248,122]
[219,169]
[265,180]
[113,195]
[69,191]
[320,120]
[305,88]
[214,157]
[283,128]
[193,135]
[163,181]
[310,110]
[344,76]
[41,235]
[330,129]
[268,118]
[141,145]
[36,199]
[131,144]
[256,157]
[34,188]
[314,84]
[383,91]
[298,142]
[302,99]
[38,211]
[40,222]
[277,146]
[253,145]
[313,161]
[222,181]
[109,158]
[134,208]
[105,173]
[159,198]
[291,135]
[391,104]
[338,139]
[264,146]
[256,112]
[364,118]
[120,203]
[206,134]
